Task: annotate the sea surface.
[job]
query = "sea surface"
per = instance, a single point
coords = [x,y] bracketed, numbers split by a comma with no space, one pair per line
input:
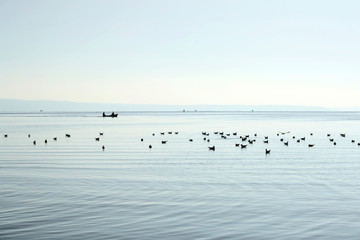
[73,189]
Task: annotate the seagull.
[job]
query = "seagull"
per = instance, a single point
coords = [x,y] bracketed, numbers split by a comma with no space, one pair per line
[212,148]
[284,132]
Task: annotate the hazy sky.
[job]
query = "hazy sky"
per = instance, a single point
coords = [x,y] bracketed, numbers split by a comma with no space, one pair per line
[303,52]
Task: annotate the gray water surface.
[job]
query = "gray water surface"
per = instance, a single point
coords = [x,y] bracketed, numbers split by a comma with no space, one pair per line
[71,189]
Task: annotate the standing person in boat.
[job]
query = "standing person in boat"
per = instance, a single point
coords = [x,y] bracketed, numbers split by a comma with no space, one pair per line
[103,114]
[113,114]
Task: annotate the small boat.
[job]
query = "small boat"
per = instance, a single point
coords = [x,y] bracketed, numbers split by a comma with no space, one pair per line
[110,115]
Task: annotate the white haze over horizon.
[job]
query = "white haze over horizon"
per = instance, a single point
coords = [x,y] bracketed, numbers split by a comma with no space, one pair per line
[267,52]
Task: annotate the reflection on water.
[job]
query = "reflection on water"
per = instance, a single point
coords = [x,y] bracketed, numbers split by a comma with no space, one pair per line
[71,189]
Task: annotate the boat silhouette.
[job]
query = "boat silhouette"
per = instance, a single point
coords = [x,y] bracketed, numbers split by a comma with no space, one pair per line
[110,115]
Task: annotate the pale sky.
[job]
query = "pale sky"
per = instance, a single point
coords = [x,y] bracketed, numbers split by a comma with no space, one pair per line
[303,52]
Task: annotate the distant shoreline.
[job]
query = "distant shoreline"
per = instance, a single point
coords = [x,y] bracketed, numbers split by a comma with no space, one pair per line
[14,105]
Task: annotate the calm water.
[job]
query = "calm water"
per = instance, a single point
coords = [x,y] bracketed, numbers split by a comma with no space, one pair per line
[71,189]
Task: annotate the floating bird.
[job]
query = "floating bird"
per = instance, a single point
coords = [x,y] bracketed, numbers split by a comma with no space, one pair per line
[212,148]
[243,145]
[142,139]
[311,134]
[55,138]
[150,146]
[101,133]
[266,137]
[328,134]
[293,137]
[342,134]
[255,135]
[237,144]
[284,132]
[28,135]
[190,140]
[162,133]
[352,141]
[281,139]
[303,139]
[224,137]
[176,132]
[334,143]
[358,143]
[286,143]
[97,139]
[331,139]
[103,148]
[153,134]
[208,140]
[266,141]
[45,141]
[67,135]
[267,151]
[235,133]
[298,140]
[163,142]
[34,142]
[311,145]
[5,135]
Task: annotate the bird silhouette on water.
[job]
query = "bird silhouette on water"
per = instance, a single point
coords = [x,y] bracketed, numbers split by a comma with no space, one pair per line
[212,148]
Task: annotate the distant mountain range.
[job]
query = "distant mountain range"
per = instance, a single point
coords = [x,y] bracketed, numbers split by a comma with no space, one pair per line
[13,105]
